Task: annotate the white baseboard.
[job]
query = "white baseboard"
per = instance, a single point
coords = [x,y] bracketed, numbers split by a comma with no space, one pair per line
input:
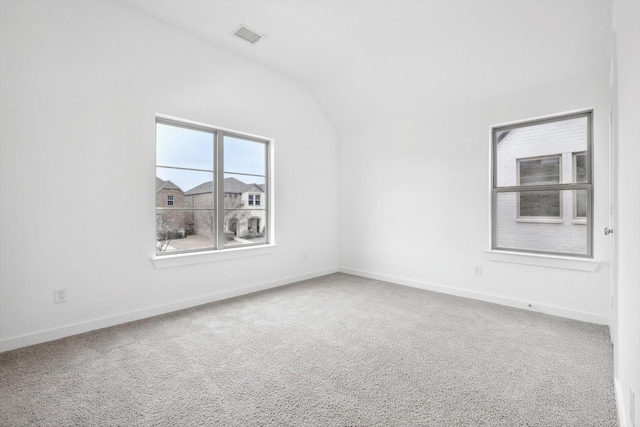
[511,302]
[622,418]
[104,322]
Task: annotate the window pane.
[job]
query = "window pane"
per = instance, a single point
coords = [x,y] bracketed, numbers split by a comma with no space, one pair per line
[182,230]
[540,204]
[557,235]
[185,148]
[538,140]
[580,168]
[539,171]
[243,156]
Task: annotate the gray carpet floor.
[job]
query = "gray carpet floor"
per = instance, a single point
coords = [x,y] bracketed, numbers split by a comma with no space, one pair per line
[333,351]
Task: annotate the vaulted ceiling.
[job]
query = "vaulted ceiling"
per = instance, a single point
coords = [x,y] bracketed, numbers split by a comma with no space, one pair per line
[369,61]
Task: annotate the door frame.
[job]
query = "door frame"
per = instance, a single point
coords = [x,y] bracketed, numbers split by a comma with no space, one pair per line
[613,179]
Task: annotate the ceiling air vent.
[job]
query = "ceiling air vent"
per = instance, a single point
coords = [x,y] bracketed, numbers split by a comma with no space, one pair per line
[246,34]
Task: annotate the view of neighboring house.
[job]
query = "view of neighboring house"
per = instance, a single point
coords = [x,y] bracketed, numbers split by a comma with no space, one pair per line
[171,223]
[168,194]
[547,153]
[191,212]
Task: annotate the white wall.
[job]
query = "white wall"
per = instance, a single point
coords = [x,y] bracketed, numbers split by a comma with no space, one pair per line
[81,82]
[80,85]
[414,188]
[626,26]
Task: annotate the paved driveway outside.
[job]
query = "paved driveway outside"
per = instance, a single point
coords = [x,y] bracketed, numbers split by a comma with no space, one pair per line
[200,242]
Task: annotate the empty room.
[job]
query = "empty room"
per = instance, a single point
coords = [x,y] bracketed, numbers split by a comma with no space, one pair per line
[319,213]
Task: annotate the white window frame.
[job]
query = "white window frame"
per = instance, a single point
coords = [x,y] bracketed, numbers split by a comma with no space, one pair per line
[496,190]
[577,219]
[218,251]
[169,199]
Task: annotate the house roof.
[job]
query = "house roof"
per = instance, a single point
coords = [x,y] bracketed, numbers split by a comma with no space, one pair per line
[205,187]
[502,135]
[254,188]
[231,185]
[165,185]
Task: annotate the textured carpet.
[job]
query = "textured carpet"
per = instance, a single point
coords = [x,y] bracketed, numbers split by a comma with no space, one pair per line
[334,351]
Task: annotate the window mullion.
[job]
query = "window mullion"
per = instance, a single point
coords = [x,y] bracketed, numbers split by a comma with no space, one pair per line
[219,191]
[590,222]
[544,187]
[268,195]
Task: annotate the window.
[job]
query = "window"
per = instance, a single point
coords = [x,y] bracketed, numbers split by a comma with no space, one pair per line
[542,187]
[539,171]
[254,199]
[206,169]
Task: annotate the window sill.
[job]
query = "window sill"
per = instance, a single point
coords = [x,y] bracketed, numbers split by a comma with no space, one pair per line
[579,221]
[541,260]
[540,220]
[179,260]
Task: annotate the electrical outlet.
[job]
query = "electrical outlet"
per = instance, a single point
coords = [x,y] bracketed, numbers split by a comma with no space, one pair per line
[59,295]
[477,270]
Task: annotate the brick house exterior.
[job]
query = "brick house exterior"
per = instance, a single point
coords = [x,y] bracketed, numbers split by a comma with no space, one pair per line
[238,197]
[197,218]
[169,195]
